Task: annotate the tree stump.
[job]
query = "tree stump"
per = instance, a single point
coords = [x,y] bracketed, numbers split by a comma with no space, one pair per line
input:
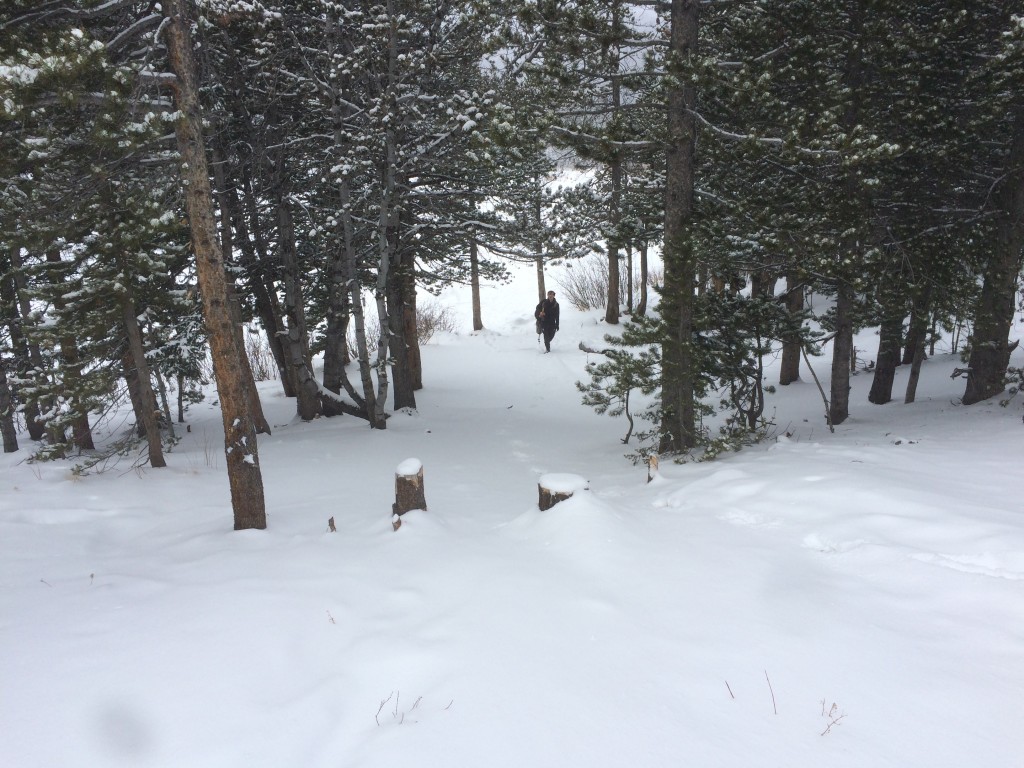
[409,492]
[557,487]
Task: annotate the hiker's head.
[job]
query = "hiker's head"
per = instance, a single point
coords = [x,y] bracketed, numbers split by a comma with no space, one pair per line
[551,294]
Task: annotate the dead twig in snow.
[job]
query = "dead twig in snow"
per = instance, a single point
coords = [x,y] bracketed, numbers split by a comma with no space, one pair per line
[377,717]
[772,692]
[831,716]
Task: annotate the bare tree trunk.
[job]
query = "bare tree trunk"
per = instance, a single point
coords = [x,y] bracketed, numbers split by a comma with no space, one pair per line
[474,281]
[135,357]
[7,428]
[922,307]
[629,279]
[915,335]
[842,346]
[890,339]
[27,352]
[789,368]
[165,405]
[611,314]
[539,245]
[72,368]
[641,308]
[232,219]
[369,397]
[240,447]
[993,316]
[385,250]
[678,398]
[307,392]
[336,352]
[251,393]
[411,331]
[401,366]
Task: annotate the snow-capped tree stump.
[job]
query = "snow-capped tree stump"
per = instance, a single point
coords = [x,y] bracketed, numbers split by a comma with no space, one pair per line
[558,487]
[409,492]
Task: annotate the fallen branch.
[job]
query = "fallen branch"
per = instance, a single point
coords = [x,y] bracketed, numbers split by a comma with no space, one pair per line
[592,351]
[828,408]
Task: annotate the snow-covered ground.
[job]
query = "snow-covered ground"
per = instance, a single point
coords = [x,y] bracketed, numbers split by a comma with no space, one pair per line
[853,600]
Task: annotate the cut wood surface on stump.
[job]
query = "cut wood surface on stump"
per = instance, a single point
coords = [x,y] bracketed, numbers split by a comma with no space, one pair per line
[409,493]
[556,487]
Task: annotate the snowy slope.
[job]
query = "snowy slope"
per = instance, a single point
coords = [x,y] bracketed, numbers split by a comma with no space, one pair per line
[846,600]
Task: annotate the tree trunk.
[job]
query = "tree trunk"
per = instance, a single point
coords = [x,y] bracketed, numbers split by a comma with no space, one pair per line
[842,346]
[412,337]
[922,309]
[386,247]
[351,276]
[7,428]
[993,316]
[852,248]
[474,281]
[165,405]
[401,347]
[240,447]
[679,417]
[916,330]
[629,279]
[307,392]
[233,219]
[641,308]
[890,339]
[611,315]
[249,380]
[336,352]
[25,353]
[71,361]
[789,368]
[135,357]
[539,244]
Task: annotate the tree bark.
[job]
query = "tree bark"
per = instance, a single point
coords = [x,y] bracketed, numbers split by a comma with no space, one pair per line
[7,428]
[240,447]
[401,367]
[539,244]
[679,424]
[233,219]
[922,309]
[412,334]
[890,339]
[135,358]
[993,317]
[81,432]
[27,352]
[842,347]
[409,491]
[641,308]
[474,281]
[789,368]
[307,393]
[852,248]
[336,351]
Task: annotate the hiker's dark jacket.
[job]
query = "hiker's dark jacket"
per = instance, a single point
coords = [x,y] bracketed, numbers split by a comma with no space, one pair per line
[549,308]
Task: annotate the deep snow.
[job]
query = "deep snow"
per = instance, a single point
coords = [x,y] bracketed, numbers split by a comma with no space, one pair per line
[848,600]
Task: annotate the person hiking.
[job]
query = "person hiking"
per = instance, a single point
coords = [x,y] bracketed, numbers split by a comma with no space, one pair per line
[547,319]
